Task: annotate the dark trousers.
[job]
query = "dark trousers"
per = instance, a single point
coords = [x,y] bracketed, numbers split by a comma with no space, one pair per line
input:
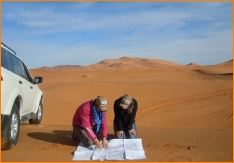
[79,134]
[126,134]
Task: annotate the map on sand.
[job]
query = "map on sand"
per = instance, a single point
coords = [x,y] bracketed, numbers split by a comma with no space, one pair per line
[119,149]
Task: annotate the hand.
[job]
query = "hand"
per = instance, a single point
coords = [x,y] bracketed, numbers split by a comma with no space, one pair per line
[98,144]
[119,133]
[132,131]
[105,143]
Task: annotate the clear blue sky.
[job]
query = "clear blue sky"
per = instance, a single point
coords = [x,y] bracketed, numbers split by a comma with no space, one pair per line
[84,33]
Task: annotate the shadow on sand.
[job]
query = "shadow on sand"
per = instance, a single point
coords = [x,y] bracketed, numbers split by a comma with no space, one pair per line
[63,137]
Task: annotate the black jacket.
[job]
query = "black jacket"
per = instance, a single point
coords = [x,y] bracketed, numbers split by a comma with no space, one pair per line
[122,118]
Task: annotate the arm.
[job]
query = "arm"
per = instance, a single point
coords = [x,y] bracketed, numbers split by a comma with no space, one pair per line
[86,123]
[104,127]
[117,119]
[104,133]
[132,117]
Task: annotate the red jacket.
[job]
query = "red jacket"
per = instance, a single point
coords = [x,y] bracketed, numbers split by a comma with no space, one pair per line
[83,117]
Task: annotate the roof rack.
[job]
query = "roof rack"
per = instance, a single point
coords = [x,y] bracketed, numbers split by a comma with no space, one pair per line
[8,48]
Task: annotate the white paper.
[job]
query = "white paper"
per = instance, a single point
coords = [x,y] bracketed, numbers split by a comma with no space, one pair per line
[83,155]
[116,144]
[115,155]
[99,154]
[119,149]
[134,144]
[135,154]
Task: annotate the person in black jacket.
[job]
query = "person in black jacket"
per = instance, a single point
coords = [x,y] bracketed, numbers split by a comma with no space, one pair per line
[125,109]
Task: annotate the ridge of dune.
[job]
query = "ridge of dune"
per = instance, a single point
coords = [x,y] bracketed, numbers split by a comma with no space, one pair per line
[123,63]
[59,67]
[127,63]
[225,68]
[133,63]
[227,63]
[136,63]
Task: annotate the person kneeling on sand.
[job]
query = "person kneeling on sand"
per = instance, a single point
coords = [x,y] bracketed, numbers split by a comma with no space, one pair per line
[125,109]
[89,123]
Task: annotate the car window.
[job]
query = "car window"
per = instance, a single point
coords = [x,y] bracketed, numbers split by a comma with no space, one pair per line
[6,60]
[18,67]
[28,75]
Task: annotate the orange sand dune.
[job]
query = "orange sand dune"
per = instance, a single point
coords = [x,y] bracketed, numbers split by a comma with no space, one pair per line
[221,69]
[124,63]
[185,114]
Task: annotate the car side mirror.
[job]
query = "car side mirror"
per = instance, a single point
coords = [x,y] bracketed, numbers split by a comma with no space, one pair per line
[38,80]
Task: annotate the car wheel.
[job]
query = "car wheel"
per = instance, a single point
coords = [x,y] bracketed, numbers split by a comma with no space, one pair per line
[13,129]
[38,118]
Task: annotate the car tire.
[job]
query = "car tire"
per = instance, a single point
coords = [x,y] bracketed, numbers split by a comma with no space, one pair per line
[38,118]
[12,136]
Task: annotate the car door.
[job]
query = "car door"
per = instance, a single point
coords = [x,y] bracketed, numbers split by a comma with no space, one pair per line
[9,81]
[34,90]
[29,92]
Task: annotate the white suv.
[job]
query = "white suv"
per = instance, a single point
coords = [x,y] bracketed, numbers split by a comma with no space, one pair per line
[21,97]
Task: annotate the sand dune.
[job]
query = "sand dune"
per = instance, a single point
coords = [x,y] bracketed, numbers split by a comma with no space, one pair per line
[124,63]
[225,68]
[59,68]
[185,113]
[127,63]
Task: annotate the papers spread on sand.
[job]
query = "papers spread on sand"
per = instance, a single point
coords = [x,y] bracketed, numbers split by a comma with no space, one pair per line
[119,149]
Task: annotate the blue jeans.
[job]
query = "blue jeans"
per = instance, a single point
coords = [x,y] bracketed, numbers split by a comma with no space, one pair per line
[126,134]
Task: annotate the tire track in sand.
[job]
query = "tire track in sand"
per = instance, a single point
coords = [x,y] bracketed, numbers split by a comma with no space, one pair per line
[170,103]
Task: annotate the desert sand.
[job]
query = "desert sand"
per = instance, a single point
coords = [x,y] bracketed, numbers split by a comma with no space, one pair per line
[185,111]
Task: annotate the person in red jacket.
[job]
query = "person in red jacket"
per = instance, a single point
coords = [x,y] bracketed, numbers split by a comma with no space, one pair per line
[89,123]
[125,109]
